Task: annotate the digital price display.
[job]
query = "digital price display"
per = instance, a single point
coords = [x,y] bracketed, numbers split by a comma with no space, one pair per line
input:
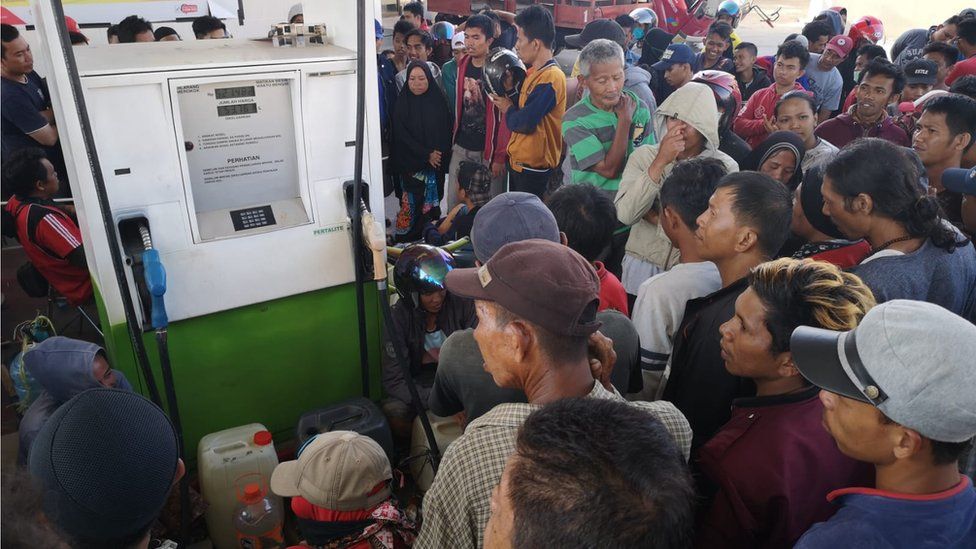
[234,110]
[234,93]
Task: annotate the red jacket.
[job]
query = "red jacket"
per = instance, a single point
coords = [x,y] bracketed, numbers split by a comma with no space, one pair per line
[851,99]
[843,129]
[845,257]
[961,69]
[48,236]
[749,123]
[496,130]
[612,293]
[773,465]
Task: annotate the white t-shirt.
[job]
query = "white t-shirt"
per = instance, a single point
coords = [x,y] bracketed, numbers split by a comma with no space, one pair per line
[824,148]
[658,312]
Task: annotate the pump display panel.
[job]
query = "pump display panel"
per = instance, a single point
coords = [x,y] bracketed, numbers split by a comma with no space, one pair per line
[239,146]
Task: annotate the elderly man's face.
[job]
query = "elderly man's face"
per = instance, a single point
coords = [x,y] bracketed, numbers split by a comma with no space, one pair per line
[497,341]
[606,84]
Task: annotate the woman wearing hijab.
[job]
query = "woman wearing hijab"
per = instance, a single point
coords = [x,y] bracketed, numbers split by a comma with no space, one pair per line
[779,157]
[422,135]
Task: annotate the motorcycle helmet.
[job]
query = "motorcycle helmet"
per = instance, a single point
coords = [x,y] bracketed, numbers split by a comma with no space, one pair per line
[644,16]
[727,94]
[442,30]
[502,65]
[867,27]
[421,269]
[731,8]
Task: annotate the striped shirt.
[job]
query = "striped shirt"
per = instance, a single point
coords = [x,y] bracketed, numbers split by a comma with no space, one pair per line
[589,132]
[457,506]
[49,236]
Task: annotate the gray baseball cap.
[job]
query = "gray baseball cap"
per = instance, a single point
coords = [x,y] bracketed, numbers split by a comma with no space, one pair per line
[511,217]
[912,360]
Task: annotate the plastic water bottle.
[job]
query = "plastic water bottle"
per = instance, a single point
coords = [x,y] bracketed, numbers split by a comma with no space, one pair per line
[257,522]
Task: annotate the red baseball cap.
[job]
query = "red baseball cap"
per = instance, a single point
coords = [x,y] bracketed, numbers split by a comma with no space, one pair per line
[71,24]
[841,45]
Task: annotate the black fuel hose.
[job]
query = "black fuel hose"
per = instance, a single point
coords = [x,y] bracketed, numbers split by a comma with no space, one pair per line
[118,265]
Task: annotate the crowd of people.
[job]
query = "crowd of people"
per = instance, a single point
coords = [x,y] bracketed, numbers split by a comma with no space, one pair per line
[718,299]
[722,201]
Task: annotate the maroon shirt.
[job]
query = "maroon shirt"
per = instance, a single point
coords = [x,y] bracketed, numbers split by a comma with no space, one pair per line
[843,129]
[773,465]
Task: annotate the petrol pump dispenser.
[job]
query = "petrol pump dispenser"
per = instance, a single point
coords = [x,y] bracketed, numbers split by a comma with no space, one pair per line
[230,156]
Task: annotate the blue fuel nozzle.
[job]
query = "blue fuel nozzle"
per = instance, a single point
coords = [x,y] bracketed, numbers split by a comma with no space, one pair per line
[156,284]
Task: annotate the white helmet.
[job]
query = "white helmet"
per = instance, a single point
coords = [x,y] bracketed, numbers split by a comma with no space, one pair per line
[644,16]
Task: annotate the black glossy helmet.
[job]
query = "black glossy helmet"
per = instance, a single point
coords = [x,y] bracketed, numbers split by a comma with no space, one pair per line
[421,269]
[504,73]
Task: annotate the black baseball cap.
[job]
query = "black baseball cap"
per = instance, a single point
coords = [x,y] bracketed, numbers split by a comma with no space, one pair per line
[598,28]
[921,71]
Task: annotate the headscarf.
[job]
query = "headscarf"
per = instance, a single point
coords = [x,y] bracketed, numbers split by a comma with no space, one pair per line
[812,200]
[421,125]
[777,141]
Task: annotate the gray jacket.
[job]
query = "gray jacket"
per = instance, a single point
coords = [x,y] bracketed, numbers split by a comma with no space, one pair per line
[638,81]
[64,368]
[909,45]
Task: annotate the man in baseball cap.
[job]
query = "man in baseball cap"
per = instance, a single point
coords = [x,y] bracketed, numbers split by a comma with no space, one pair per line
[461,384]
[677,65]
[920,78]
[511,217]
[963,182]
[105,462]
[342,473]
[458,48]
[896,397]
[536,302]
[824,77]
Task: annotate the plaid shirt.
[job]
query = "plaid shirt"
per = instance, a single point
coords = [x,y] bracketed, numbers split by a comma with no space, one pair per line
[456,508]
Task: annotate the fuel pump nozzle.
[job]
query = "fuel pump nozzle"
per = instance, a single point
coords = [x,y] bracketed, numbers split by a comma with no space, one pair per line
[155,276]
[375,239]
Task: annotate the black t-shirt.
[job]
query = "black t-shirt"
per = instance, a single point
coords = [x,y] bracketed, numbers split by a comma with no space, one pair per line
[21,108]
[699,384]
[471,132]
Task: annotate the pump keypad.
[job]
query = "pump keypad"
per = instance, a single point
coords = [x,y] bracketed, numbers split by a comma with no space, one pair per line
[252,218]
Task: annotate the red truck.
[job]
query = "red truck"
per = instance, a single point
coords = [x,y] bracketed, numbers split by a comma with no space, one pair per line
[674,16]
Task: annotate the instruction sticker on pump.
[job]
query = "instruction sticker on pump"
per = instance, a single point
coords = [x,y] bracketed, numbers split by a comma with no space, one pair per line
[239,138]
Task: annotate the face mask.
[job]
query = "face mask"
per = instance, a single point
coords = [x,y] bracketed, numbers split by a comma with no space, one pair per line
[638,33]
[857,76]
